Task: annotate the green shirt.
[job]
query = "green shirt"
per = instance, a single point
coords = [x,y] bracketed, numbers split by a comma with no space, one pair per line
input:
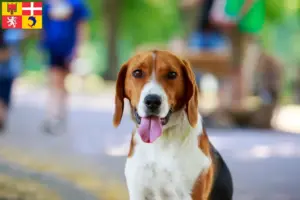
[253,21]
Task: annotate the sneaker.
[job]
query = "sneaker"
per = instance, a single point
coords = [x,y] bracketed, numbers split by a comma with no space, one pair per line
[2,127]
[55,126]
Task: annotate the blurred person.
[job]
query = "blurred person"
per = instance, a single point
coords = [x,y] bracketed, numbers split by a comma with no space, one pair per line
[10,67]
[206,36]
[241,20]
[65,30]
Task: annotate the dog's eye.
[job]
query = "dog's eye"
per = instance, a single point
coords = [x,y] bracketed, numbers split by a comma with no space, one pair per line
[172,75]
[137,73]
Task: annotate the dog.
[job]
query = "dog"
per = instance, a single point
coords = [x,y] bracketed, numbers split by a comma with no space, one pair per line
[170,155]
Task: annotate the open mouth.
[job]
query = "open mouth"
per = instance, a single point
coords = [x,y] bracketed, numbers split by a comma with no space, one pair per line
[151,127]
[163,121]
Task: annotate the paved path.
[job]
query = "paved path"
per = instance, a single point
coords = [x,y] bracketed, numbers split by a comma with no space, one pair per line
[61,188]
[265,164]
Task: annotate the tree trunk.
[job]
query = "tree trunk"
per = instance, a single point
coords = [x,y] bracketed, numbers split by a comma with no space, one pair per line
[111,17]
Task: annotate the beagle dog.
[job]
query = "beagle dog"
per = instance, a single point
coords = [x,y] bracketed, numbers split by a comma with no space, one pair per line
[170,156]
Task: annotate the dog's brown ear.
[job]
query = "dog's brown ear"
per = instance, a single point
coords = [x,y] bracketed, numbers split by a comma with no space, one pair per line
[192,94]
[120,95]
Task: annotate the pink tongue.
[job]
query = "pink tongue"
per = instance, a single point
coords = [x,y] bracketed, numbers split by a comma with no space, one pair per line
[150,129]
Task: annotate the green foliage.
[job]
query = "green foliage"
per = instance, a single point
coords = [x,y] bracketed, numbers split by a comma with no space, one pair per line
[149,20]
[277,13]
[274,10]
[277,10]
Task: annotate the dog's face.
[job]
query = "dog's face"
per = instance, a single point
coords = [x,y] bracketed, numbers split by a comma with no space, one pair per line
[157,83]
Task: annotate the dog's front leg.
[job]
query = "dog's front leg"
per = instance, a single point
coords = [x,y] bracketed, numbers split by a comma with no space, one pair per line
[141,194]
[137,188]
[136,196]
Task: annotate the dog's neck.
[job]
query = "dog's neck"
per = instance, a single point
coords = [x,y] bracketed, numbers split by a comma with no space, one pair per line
[179,127]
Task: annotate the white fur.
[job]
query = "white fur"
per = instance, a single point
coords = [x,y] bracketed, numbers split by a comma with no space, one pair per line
[153,87]
[168,168]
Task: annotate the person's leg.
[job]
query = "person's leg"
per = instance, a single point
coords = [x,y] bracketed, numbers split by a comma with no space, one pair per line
[57,100]
[237,84]
[57,93]
[3,114]
[224,95]
[5,98]
[252,55]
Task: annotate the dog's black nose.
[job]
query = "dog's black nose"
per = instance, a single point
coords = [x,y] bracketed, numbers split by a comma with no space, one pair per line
[152,102]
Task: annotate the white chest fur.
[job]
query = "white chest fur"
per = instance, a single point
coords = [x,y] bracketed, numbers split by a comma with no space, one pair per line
[168,168]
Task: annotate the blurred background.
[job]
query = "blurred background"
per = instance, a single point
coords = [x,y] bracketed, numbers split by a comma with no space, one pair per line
[260,141]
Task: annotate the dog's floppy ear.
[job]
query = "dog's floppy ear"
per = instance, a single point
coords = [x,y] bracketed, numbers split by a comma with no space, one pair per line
[120,95]
[192,94]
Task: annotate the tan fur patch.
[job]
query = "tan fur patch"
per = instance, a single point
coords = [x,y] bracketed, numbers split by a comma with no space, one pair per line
[203,186]
[132,145]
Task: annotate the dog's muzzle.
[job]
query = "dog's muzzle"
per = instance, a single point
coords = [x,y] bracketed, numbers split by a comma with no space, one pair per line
[152,104]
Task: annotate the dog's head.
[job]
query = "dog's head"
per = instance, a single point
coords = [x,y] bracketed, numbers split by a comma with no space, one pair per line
[157,84]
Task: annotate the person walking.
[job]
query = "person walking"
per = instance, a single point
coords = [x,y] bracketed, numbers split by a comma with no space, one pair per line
[241,20]
[10,68]
[65,30]
[207,37]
